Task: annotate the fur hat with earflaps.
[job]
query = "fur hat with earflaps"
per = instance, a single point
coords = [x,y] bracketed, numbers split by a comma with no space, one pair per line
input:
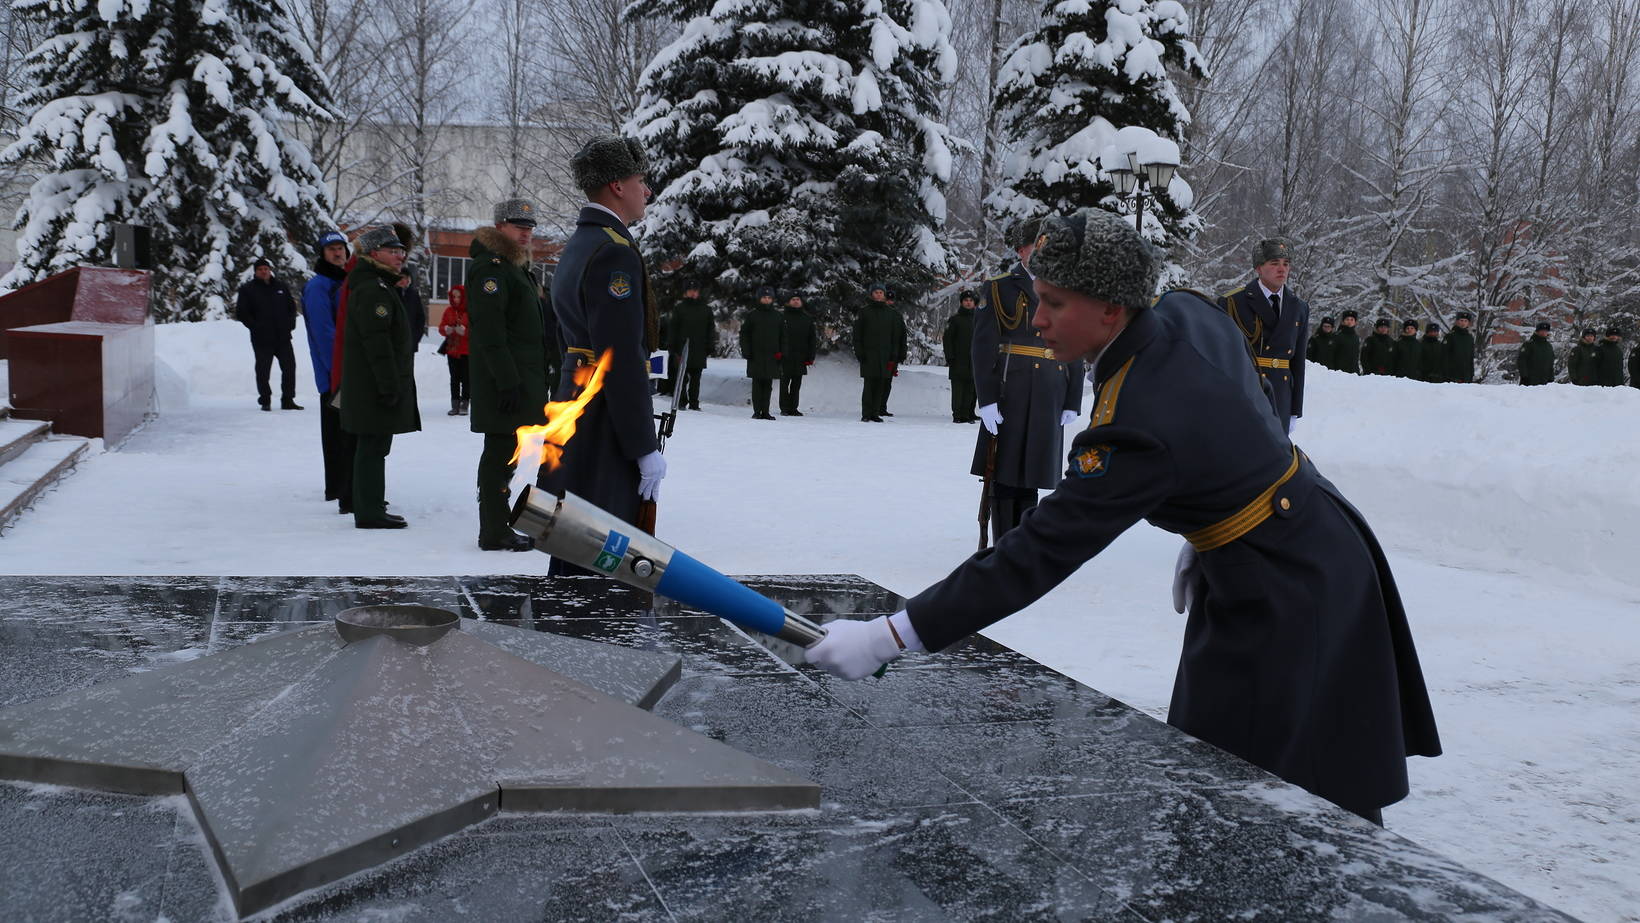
[1100,255]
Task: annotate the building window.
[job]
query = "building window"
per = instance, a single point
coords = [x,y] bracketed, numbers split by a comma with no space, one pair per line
[448,271]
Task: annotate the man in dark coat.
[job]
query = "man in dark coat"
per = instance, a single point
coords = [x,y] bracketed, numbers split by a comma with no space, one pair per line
[1322,344]
[604,303]
[415,310]
[1378,352]
[1276,324]
[507,368]
[1609,360]
[266,309]
[799,346]
[873,336]
[1297,653]
[959,358]
[760,343]
[378,372]
[1583,362]
[1408,352]
[692,325]
[1347,345]
[1634,366]
[1433,355]
[901,349]
[1027,393]
[320,298]
[1459,361]
[1536,362]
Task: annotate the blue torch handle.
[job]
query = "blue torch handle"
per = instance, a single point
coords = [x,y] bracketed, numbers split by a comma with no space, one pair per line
[694,584]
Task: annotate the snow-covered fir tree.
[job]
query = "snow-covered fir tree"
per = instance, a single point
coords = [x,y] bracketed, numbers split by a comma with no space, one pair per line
[797,144]
[174,114]
[1065,89]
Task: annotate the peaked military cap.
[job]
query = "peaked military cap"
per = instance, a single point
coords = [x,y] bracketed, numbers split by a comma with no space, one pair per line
[765,291]
[1381,322]
[967,293]
[1349,314]
[1465,315]
[605,159]
[515,211]
[1613,332]
[1409,323]
[1542,325]
[1328,320]
[1432,327]
[1100,255]
[385,238]
[1588,331]
[260,262]
[1271,248]
[1022,233]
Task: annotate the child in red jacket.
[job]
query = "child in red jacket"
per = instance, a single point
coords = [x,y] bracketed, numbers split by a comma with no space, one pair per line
[454,328]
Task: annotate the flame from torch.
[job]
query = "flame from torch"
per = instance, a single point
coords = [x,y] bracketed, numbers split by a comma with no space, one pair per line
[548,441]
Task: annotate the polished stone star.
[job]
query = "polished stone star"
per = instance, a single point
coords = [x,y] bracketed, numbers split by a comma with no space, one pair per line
[307,758]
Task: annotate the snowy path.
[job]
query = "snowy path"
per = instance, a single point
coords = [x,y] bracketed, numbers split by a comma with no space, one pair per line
[1515,558]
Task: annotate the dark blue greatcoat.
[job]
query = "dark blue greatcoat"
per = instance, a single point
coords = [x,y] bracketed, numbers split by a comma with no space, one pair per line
[1297,655]
[1274,340]
[1030,442]
[599,292]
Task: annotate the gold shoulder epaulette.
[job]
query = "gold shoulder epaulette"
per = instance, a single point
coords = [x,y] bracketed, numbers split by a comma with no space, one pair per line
[616,237]
[1235,291]
[998,277]
[1104,408]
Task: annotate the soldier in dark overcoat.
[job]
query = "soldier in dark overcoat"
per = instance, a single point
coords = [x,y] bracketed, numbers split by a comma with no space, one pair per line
[799,347]
[1378,352]
[1320,350]
[1583,362]
[1433,354]
[901,349]
[873,335]
[507,370]
[1609,361]
[692,326]
[604,304]
[1536,362]
[1297,652]
[378,372]
[959,357]
[1458,363]
[760,344]
[1276,325]
[1027,395]
[1408,352]
[1347,345]
[1634,366]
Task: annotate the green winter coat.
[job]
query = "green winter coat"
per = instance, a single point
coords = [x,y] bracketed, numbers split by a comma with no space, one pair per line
[1459,361]
[1634,367]
[1536,362]
[900,338]
[959,345]
[692,323]
[799,344]
[1609,364]
[1378,355]
[378,375]
[1408,357]
[1346,350]
[1321,349]
[507,335]
[874,339]
[760,341]
[1434,353]
[1583,364]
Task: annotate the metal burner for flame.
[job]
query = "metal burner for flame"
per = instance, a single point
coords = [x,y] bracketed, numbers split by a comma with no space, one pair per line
[414,625]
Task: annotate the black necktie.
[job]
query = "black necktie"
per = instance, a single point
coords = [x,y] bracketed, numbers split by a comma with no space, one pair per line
[1275,304]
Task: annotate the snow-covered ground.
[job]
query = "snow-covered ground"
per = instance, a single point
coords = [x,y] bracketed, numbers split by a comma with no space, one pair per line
[1511,515]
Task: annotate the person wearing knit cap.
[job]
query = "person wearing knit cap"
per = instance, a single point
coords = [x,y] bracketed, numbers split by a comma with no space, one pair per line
[264,305]
[958,341]
[1320,350]
[1408,354]
[1026,393]
[1536,361]
[1609,361]
[1432,354]
[762,346]
[1458,363]
[605,306]
[1297,654]
[1583,362]
[1276,323]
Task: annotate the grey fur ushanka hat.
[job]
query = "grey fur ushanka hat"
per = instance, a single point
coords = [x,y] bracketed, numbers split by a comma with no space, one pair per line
[605,159]
[1100,255]
[386,237]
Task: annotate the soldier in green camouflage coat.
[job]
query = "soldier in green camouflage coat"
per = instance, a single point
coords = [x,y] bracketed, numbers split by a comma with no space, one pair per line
[378,375]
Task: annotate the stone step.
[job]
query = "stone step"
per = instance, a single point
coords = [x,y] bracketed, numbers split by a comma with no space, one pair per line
[17,435]
[26,477]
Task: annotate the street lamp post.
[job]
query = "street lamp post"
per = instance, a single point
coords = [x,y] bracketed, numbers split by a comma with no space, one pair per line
[1138,158]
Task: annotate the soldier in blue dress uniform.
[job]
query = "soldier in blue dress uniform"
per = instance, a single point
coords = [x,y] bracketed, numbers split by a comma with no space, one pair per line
[1276,323]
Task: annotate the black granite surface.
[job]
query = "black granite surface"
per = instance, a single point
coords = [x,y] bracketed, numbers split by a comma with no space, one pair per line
[971,785]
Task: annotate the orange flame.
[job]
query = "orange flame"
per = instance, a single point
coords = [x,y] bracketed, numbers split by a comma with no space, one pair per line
[548,441]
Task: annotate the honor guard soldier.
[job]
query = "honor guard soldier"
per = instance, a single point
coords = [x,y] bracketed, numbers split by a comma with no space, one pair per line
[1609,365]
[959,359]
[378,370]
[604,304]
[800,345]
[1027,394]
[1320,350]
[1432,353]
[1276,323]
[1347,345]
[507,364]
[760,344]
[693,327]
[1536,362]
[1408,353]
[873,336]
[1459,362]
[1297,653]
[1378,352]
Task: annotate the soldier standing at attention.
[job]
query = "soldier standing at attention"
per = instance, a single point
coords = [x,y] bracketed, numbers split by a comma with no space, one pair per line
[604,304]
[1276,323]
[1347,345]
[1634,366]
[378,374]
[1583,362]
[959,359]
[1433,353]
[1408,352]
[1027,394]
[873,337]
[760,344]
[692,326]
[799,347]
[1297,653]
[899,350]
[1459,363]
[1378,352]
[507,365]
[1536,362]
[1320,350]
[1609,367]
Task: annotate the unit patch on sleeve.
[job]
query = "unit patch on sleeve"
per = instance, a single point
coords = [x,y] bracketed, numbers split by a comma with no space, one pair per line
[1092,462]
[491,286]
[620,285]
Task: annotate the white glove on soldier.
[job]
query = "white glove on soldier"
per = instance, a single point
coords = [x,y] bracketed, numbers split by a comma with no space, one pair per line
[651,468]
[1067,417]
[1292,424]
[990,417]
[1187,571]
[854,650]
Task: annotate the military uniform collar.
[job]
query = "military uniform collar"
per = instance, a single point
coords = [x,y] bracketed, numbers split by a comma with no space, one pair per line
[1135,336]
[593,213]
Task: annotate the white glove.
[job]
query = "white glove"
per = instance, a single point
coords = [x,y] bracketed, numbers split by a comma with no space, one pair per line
[1067,417]
[854,650]
[1292,424]
[651,468]
[460,329]
[1187,571]
[990,417]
